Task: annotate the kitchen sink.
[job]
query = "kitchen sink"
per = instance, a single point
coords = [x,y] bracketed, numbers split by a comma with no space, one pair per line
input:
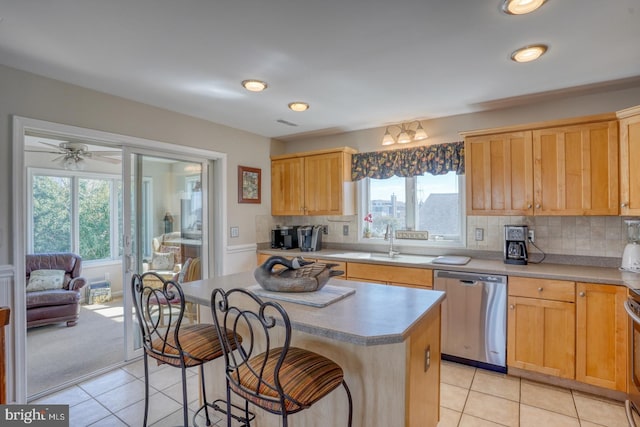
[407,259]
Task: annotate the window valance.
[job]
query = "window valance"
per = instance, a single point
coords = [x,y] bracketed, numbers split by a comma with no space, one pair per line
[436,159]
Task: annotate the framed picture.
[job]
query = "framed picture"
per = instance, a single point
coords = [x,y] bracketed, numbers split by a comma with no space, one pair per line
[249,184]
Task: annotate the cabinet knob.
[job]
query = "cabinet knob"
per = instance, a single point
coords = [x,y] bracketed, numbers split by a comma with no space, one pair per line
[582,294]
[511,306]
[540,289]
[623,205]
[529,206]
[538,206]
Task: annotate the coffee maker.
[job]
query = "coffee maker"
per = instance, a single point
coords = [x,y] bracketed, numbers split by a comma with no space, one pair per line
[515,244]
[310,238]
[284,237]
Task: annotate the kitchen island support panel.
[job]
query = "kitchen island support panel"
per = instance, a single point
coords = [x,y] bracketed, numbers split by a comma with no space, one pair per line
[387,377]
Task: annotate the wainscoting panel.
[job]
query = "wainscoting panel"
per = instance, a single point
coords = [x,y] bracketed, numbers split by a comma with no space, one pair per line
[240,258]
[6,300]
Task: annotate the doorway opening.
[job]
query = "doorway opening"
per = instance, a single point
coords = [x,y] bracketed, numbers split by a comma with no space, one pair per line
[79,205]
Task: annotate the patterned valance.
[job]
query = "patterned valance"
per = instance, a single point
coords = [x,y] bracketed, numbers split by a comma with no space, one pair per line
[436,159]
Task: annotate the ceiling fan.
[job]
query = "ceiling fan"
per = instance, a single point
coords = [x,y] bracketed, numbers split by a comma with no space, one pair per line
[73,154]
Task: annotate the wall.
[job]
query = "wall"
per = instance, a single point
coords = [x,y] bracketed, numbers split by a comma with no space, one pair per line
[592,236]
[32,96]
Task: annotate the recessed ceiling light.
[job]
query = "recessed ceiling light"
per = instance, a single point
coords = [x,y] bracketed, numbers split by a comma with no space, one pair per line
[298,106]
[254,85]
[529,53]
[520,7]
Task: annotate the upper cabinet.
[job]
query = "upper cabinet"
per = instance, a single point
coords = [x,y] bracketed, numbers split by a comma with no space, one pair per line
[499,174]
[567,167]
[629,172]
[575,169]
[313,183]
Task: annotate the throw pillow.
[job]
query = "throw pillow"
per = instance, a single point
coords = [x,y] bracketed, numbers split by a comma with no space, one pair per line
[162,261]
[44,280]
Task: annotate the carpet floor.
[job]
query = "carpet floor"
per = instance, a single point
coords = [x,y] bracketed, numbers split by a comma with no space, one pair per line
[57,354]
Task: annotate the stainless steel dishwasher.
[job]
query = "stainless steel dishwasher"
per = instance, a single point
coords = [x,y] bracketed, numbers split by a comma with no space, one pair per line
[474,318]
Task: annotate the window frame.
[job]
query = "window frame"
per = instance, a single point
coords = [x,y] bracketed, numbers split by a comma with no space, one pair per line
[363,196]
[75,177]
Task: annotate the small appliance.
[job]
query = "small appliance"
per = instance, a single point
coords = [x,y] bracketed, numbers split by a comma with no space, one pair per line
[310,238]
[631,253]
[515,244]
[284,237]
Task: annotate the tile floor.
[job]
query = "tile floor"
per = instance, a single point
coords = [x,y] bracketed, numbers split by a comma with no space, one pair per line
[469,397]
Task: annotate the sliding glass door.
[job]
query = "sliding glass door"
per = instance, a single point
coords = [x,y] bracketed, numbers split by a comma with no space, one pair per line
[165,225]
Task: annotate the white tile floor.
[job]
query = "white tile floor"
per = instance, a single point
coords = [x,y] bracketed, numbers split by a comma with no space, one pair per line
[469,397]
[117,398]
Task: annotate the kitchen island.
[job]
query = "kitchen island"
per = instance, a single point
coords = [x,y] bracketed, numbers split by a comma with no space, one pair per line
[386,339]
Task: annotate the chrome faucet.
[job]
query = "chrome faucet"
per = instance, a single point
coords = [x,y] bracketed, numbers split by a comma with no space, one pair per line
[388,235]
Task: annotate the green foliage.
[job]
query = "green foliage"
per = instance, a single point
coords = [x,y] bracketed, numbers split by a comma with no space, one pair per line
[51,214]
[52,221]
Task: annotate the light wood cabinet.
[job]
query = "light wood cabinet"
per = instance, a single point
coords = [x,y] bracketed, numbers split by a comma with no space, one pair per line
[563,167]
[629,155]
[499,174]
[287,186]
[576,170]
[313,183]
[569,330]
[602,335]
[390,275]
[541,332]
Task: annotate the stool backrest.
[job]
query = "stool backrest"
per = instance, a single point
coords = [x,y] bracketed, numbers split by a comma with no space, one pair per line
[260,347]
[159,311]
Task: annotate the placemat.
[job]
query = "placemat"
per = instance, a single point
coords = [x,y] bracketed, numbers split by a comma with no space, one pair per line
[322,298]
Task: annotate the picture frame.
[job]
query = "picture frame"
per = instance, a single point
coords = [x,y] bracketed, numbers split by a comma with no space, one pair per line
[249,184]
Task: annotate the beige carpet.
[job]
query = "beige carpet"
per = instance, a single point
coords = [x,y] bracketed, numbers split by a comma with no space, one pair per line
[57,354]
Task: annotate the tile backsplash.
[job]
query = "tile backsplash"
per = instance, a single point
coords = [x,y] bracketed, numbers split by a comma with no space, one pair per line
[603,236]
[600,236]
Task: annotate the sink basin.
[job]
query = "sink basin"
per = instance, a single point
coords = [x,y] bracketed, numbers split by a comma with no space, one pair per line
[407,259]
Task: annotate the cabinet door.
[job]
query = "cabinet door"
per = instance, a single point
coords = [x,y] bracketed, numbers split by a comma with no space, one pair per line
[323,177]
[629,171]
[576,170]
[541,336]
[500,174]
[601,339]
[287,186]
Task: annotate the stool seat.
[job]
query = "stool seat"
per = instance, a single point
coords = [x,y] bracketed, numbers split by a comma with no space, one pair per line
[199,344]
[279,379]
[305,378]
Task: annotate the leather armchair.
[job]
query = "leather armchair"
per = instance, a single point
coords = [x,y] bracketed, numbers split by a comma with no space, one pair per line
[58,305]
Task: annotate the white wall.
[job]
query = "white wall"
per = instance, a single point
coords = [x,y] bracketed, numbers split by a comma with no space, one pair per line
[32,96]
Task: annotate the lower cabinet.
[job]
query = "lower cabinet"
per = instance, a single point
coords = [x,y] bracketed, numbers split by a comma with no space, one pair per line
[541,331]
[569,330]
[390,275]
[601,335]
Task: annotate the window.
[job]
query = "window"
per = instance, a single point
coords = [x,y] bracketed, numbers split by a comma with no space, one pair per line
[433,203]
[77,213]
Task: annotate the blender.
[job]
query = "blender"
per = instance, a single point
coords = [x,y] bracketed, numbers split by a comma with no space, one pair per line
[631,254]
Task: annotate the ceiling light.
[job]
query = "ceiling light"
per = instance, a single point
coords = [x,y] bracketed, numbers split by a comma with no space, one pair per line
[254,85]
[406,135]
[298,106]
[529,53]
[520,7]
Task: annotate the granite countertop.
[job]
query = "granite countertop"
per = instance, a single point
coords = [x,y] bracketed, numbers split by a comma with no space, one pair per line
[578,273]
[373,315]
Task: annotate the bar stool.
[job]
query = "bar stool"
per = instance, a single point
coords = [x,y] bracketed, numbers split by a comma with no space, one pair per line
[281,380]
[168,342]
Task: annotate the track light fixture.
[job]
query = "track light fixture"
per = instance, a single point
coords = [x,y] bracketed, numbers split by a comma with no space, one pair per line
[408,133]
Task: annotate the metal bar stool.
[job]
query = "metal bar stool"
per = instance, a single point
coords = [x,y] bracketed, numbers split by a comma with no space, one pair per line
[166,341]
[281,380]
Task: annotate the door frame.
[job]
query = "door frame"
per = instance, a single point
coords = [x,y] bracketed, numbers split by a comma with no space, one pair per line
[16,356]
